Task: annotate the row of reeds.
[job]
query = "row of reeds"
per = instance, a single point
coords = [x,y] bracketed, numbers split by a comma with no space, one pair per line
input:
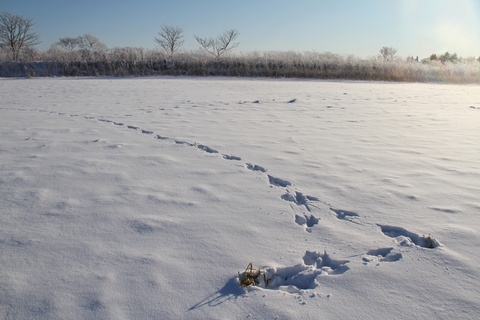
[267,64]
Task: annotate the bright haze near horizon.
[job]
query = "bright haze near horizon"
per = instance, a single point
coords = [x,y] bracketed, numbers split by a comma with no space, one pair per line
[361,28]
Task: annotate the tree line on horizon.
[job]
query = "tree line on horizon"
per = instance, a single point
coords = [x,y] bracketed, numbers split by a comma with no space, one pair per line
[84,54]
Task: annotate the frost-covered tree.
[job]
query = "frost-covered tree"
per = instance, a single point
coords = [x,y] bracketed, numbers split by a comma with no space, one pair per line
[221,44]
[132,54]
[91,48]
[55,53]
[388,53]
[448,57]
[16,33]
[170,39]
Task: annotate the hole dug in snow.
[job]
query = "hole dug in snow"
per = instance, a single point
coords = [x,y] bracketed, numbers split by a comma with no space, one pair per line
[325,263]
[381,255]
[307,221]
[293,279]
[406,238]
[299,199]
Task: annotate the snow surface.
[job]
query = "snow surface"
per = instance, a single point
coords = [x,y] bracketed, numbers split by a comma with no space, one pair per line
[144,198]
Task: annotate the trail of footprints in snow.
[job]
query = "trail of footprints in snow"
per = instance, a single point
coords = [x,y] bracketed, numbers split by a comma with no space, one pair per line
[402,237]
[301,276]
[306,220]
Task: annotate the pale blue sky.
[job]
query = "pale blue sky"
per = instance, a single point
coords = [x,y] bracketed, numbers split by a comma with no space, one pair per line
[359,27]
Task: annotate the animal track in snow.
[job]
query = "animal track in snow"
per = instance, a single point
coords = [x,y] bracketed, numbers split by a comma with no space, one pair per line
[303,276]
[299,199]
[184,142]
[231,157]
[158,137]
[307,221]
[325,262]
[255,167]
[344,214]
[382,255]
[278,182]
[406,238]
[206,149]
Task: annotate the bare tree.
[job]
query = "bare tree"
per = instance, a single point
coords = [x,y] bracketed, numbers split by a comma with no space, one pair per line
[388,53]
[221,44]
[68,43]
[170,39]
[16,33]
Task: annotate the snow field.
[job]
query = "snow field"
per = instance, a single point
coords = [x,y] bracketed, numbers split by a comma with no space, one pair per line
[142,198]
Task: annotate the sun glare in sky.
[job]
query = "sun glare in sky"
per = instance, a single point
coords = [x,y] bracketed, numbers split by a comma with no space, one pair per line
[452,26]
